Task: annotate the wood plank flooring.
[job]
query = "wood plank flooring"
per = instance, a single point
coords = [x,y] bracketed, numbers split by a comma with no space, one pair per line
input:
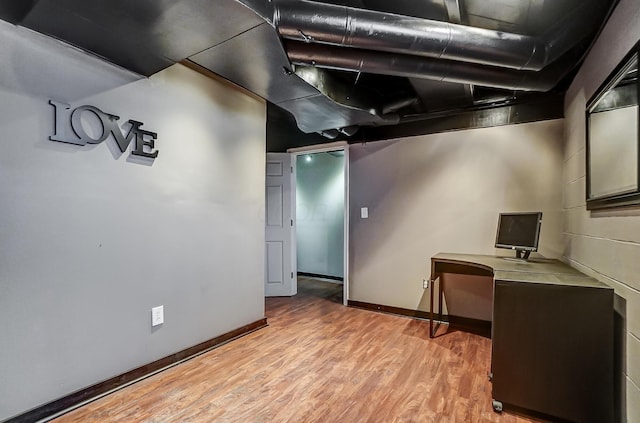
[318,361]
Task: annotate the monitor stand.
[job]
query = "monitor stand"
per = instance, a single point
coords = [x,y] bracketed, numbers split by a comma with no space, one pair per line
[522,256]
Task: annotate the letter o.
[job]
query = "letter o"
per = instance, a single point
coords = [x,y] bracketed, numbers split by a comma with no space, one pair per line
[76,124]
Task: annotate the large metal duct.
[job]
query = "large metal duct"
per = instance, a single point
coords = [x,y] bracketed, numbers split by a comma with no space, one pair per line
[315,22]
[358,60]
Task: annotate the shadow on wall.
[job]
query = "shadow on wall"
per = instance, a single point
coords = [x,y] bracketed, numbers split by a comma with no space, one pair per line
[25,54]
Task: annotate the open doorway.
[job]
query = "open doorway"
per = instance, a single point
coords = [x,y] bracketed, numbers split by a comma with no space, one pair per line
[281,269]
[320,223]
[322,262]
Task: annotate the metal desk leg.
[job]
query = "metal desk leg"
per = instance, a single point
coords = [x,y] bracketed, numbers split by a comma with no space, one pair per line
[433,328]
[440,300]
[431,313]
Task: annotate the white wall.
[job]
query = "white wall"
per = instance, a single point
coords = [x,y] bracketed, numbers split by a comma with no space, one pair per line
[605,244]
[443,192]
[320,214]
[91,239]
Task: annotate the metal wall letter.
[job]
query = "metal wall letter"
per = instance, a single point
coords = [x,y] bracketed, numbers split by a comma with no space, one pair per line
[76,125]
[141,142]
[61,127]
[69,128]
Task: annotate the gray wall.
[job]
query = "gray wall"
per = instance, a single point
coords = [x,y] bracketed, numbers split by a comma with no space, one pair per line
[91,239]
[443,192]
[320,214]
[605,244]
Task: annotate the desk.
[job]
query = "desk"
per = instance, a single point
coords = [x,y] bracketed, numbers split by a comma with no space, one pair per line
[551,336]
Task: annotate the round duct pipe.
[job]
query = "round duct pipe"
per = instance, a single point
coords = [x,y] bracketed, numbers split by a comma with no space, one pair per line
[332,134]
[349,130]
[315,22]
[356,60]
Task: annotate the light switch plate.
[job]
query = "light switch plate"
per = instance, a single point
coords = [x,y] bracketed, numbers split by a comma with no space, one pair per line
[157,316]
[364,213]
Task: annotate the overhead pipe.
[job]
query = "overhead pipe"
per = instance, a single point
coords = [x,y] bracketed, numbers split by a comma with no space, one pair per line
[357,60]
[396,105]
[332,134]
[315,22]
[349,130]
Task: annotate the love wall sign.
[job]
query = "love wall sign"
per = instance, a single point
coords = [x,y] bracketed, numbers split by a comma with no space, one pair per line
[71,128]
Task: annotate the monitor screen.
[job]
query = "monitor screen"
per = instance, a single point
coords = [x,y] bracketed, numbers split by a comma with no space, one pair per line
[519,231]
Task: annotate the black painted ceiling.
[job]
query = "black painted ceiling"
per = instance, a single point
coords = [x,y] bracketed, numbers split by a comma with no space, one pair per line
[351,69]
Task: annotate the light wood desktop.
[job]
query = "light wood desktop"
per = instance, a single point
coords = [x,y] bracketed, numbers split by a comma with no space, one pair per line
[552,334]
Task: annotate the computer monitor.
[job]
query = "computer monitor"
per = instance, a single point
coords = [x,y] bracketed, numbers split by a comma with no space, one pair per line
[519,232]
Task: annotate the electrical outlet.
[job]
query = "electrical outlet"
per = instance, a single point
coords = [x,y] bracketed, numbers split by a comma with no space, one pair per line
[425,284]
[157,316]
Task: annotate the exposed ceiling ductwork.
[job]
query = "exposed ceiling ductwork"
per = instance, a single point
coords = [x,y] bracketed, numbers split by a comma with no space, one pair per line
[340,65]
[339,37]
[314,22]
[330,57]
[337,25]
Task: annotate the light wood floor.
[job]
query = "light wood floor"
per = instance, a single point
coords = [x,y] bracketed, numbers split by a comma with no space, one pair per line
[318,361]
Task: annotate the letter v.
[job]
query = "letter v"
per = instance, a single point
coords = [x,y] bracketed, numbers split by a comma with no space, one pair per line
[122,141]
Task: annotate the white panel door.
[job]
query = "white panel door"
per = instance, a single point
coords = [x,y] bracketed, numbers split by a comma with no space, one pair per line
[280,260]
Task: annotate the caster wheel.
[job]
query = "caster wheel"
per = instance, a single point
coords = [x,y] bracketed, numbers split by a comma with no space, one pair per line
[497,406]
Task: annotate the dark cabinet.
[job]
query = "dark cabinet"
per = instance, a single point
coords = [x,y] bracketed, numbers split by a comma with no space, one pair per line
[553,347]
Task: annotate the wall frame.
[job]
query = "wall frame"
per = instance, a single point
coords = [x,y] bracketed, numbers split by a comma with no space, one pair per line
[613,146]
